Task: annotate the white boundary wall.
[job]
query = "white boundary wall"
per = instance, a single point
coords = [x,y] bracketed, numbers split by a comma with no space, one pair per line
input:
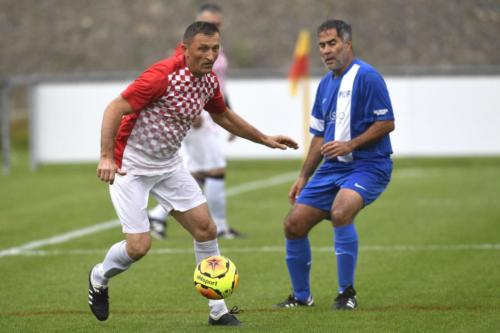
[435,116]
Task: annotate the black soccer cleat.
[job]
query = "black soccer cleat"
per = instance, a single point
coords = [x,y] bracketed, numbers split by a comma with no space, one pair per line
[230,234]
[227,319]
[293,302]
[98,301]
[346,300]
[158,228]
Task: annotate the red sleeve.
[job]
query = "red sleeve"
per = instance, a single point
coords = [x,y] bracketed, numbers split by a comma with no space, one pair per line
[216,104]
[148,87]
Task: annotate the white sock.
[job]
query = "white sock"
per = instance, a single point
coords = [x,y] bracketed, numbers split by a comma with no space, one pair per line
[218,308]
[203,250]
[206,249]
[215,191]
[115,262]
[158,213]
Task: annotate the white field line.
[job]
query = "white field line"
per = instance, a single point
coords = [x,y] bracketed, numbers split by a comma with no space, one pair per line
[280,249]
[62,238]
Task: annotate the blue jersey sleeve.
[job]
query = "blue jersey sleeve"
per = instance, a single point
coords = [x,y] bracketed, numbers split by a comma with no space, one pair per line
[317,123]
[378,103]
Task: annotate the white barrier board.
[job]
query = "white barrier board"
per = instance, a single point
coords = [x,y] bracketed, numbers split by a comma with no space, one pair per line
[435,116]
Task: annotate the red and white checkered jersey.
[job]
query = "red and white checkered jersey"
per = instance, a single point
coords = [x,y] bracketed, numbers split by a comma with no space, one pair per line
[165,99]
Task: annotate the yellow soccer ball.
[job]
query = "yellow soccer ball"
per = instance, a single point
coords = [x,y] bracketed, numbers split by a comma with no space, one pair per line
[216,277]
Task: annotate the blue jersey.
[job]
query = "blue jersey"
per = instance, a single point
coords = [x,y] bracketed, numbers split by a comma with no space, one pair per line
[347,105]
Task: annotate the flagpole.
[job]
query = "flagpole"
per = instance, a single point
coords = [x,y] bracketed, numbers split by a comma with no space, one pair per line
[306,110]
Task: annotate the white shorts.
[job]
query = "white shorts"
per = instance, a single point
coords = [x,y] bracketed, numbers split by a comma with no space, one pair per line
[202,148]
[176,190]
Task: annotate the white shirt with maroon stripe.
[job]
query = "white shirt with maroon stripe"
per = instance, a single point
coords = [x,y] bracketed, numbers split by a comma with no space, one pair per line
[166,98]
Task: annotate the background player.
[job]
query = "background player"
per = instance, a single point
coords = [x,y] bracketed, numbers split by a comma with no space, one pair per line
[141,133]
[203,149]
[351,121]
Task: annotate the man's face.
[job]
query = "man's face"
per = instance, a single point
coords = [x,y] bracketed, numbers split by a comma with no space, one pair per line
[335,53]
[201,53]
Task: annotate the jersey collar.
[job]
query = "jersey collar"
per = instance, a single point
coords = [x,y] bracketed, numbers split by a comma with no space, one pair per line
[348,68]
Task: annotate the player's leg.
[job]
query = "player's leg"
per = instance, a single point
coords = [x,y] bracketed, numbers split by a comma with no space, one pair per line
[358,189]
[215,192]
[205,160]
[345,207]
[181,192]
[198,223]
[299,221]
[120,256]
[312,206]
[129,196]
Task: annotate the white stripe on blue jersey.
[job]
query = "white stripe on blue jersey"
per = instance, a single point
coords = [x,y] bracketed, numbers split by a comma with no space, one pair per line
[317,124]
[343,114]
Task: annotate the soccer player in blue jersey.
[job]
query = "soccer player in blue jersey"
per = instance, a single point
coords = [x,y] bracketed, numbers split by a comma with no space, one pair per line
[351,121]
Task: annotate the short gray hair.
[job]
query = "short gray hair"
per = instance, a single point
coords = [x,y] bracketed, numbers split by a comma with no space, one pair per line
[344,30]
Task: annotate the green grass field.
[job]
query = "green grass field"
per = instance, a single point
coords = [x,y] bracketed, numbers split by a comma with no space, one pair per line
[429,255]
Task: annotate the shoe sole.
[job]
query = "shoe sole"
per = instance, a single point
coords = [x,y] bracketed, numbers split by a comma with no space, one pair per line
[212,322]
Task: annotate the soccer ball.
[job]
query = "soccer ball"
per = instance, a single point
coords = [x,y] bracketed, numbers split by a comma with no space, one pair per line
[216,277]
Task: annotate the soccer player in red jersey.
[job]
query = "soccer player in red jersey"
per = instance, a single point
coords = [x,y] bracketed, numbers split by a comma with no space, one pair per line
[141,133]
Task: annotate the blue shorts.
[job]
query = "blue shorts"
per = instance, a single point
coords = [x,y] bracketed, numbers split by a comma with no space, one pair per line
[367,177]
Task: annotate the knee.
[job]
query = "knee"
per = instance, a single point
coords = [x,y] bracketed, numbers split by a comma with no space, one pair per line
[340,217]
[205,231]
[138,249]
[293,228]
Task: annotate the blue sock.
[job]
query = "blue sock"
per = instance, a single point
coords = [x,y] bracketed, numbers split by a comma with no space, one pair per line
[346,250]
[298,261]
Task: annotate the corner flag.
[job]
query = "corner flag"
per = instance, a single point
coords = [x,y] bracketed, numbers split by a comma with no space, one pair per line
[300,72]
[300,65]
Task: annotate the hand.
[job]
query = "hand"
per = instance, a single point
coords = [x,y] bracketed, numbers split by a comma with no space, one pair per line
[106,170]
[295,189]
[280,141]
[197,122]
[335,149]
[231,137]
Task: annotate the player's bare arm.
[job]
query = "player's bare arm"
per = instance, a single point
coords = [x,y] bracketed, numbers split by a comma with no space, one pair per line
[233,123]
[113,114]
[377,130]
[313,159]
